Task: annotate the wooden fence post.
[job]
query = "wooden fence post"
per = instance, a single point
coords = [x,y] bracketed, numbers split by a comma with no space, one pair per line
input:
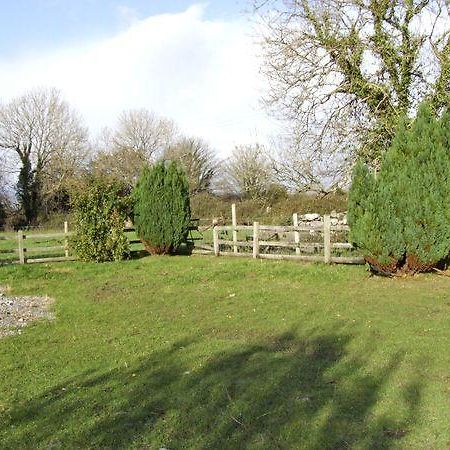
[216,240]
[21,247]
[327,239]
[255,239]
[234,222]
[296,233]
[66,241]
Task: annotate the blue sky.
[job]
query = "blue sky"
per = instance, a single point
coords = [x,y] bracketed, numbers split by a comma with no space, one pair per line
[29,25]
[196,63]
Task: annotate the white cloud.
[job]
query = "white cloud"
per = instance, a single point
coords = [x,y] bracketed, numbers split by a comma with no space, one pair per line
[202,73]
[128,16]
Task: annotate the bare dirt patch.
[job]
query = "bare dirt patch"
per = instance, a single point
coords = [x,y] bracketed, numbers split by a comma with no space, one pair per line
[18,312]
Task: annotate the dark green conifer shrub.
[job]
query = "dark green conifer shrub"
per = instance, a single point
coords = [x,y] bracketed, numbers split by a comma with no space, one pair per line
[28,192]
[401,217]
[3,215]
[99,211]
[162,210]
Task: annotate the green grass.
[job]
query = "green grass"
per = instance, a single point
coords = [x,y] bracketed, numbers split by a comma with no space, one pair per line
[202,352]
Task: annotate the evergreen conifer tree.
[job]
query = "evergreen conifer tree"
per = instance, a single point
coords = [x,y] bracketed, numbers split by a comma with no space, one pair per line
[401,219]
[162,208]
[27,192]
[2,214]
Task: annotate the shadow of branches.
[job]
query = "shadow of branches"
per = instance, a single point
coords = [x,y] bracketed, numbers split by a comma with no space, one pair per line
[285,392]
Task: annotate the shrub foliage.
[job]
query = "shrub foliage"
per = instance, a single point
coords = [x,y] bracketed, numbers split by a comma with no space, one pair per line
[401,217]
[162,210]
[99,212]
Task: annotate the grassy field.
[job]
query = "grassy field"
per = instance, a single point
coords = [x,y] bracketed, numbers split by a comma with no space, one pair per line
[202,352]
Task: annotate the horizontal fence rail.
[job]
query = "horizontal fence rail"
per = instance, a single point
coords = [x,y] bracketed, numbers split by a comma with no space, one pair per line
[24,250]
[30,247]
[314,242]
[27,249]
[258,242]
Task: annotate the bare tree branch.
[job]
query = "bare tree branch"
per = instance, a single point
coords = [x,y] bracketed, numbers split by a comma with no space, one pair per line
[142,131]
[40,130]
[140,138]
[197,160]
[343,72]
[248,172]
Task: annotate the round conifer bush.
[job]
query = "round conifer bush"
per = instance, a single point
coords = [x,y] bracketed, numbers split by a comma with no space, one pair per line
[162,211]
[400,217]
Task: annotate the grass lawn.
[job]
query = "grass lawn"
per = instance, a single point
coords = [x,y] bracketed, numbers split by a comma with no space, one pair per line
[203,352]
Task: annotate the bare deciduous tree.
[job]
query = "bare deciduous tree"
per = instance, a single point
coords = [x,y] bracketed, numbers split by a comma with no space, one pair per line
[139,139]
[120,164]
[345,71]
[142,131]
[116,163]
[248,172]
[197,160]
[301,169]
[42,135]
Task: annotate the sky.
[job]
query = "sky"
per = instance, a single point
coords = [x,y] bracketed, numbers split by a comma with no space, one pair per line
[197,63]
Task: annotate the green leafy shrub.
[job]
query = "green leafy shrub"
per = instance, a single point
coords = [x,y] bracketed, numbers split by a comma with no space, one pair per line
[162,210]
[401,218]
[99,212]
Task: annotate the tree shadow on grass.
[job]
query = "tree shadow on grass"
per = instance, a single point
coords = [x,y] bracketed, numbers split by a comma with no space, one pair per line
[184,250]
[285,392]
[138,254]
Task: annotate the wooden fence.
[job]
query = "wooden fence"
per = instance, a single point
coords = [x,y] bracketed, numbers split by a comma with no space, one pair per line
[25,248]
[261,241]
[20,247]
[24,245]
[260,244]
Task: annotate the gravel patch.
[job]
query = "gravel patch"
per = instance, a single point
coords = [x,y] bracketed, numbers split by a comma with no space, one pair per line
[18,312]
